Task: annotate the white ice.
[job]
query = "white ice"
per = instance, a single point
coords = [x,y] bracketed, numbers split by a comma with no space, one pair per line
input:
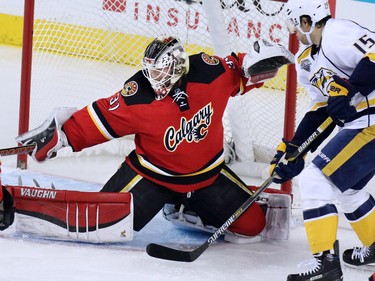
[28,259]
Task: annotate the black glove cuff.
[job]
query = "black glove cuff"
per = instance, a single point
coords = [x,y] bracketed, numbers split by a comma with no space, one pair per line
[7,198]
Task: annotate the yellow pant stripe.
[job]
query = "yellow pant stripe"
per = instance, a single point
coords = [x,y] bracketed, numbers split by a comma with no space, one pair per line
[132,183]
[356,144]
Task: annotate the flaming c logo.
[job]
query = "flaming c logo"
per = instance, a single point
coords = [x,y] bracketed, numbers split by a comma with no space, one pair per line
[210,60]
[129,89]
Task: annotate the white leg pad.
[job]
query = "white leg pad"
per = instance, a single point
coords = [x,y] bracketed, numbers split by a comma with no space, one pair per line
[278,217]
[94,217]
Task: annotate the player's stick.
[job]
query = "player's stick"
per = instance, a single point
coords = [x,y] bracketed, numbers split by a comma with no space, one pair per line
[23,149]
[163,252]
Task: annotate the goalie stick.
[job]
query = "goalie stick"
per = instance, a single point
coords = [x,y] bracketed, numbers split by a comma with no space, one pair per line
[164,252]
[23,149]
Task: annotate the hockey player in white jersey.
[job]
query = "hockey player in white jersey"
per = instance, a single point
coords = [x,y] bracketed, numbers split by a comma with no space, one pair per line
[336,65]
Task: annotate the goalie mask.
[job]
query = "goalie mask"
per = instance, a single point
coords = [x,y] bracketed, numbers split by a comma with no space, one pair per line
[164,63]
[316,10]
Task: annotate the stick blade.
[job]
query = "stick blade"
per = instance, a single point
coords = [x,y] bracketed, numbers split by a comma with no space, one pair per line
[166,253]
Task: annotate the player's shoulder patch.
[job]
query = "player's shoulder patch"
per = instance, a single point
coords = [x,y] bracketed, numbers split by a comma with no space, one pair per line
[130,88]
[210,60]
[304,59]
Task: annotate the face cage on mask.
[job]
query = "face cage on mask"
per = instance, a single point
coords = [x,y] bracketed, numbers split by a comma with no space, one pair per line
[161,78]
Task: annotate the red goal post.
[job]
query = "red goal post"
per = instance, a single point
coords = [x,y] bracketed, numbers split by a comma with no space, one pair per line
[76,51]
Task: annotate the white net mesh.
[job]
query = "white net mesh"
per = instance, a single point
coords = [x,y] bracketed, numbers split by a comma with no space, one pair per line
[84,50]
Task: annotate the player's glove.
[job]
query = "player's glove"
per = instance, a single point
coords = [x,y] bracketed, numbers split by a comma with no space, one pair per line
[6,208]
[48,138]
[339,107]
[286,170]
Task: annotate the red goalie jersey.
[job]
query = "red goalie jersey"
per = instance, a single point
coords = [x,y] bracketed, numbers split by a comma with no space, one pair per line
[179,140]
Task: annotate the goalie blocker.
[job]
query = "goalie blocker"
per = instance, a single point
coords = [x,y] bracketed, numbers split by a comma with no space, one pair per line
[96,217]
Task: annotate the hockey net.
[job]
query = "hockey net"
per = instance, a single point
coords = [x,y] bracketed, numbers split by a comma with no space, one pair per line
[84,50]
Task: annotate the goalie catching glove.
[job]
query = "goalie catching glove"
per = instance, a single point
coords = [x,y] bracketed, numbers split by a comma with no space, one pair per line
[284,169]
[48,138]
[340,94]
[263,61]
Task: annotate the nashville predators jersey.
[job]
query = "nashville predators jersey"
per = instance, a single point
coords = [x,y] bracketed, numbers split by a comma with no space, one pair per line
[344,46]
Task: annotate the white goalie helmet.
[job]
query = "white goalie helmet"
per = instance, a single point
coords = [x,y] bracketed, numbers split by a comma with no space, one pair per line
[315,9]
[164,63]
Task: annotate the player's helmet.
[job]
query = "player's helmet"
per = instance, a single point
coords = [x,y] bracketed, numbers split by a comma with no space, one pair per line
[163,64]
[315,9]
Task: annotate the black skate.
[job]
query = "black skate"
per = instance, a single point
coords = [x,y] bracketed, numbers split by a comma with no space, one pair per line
[360,257]
[326,268]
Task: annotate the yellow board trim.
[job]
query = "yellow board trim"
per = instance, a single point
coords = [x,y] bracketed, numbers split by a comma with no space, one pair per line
[11,29]
[110,46]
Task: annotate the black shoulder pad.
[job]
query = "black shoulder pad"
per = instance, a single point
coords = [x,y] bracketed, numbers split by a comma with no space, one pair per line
[204,68]
[137,90]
